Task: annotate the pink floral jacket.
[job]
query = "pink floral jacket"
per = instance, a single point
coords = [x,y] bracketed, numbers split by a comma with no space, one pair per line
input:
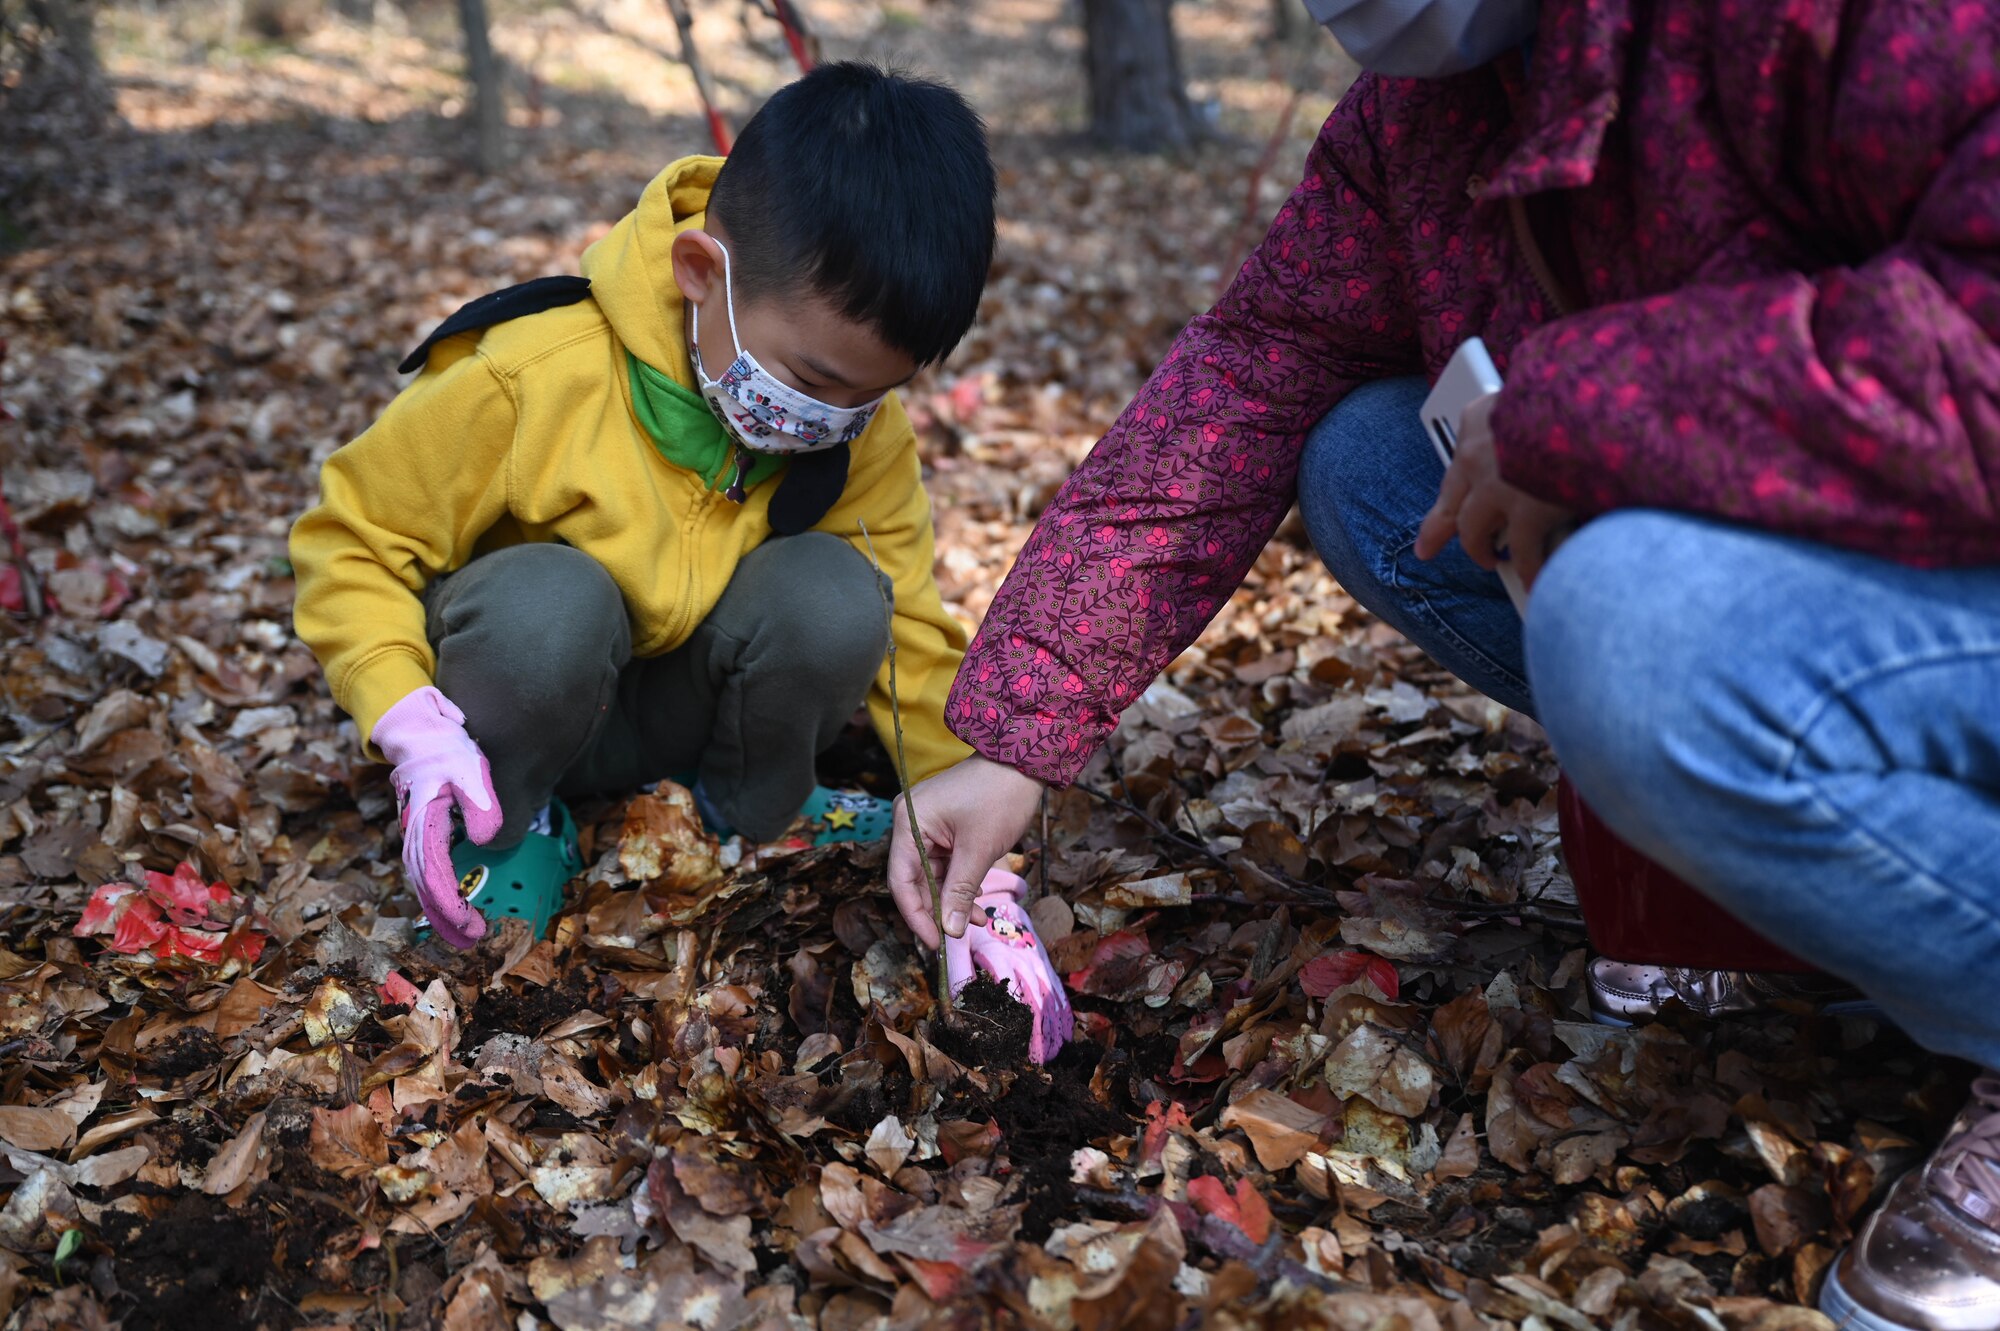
[1783,221]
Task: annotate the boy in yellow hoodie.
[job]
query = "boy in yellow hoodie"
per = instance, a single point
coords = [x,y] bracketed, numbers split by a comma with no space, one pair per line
[614,530]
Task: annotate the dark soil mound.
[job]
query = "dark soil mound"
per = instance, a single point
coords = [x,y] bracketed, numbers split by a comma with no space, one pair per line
[1044,1113]
[198,1265]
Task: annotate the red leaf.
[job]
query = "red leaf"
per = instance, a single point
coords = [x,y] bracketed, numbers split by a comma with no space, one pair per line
[1246,1210]
[107,906]
[174,915]
[1254,1216]
[1330,970]
[1162,1118]
[12,599]
[1210,1196]
[1121,957]
[1207,1068]
[139,927]
[939,1279]
[184,895]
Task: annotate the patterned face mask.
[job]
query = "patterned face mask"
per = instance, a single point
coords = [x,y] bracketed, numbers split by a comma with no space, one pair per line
[1425,39]
[764,414]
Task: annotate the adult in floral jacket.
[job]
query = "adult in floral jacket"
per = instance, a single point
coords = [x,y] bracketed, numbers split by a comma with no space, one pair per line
[1739,264]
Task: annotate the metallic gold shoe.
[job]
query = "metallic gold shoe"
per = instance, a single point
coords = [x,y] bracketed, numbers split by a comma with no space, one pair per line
[1625,994]
[1929,1259]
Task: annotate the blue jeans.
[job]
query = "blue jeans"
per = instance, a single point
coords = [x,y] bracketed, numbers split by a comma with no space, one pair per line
[1811,737]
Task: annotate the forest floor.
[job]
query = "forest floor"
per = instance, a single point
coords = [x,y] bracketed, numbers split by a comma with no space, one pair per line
[1333,1064]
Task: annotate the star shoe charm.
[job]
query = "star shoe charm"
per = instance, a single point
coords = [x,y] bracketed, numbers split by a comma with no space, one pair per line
[846,815]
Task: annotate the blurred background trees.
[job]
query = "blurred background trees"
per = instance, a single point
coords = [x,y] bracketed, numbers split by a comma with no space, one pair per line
[482,72]
[49,66]
[1133,93]
[1138,95]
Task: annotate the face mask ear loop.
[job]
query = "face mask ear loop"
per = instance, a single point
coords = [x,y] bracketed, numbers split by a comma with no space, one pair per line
[729,304]
[735,492]
[729,301]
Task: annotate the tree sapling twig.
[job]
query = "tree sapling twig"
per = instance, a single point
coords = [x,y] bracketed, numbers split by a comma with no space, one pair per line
[903,777]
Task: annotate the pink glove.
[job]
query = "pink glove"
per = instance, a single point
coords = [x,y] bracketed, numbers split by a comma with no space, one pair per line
[1008,950]
[438,765]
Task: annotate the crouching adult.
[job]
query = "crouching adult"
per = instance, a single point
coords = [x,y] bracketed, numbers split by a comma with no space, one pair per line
[1740,267]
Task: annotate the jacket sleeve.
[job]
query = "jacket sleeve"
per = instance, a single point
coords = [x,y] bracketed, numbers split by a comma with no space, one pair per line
[1156,529]
[885,490]
[400,505]
[1857,405]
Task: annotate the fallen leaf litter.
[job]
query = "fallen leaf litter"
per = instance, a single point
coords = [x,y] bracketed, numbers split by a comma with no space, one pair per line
[1333,1067]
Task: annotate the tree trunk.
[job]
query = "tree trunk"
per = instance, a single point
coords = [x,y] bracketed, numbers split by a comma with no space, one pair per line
[63,73]
[489,111]
[1137,100]
[1289,21]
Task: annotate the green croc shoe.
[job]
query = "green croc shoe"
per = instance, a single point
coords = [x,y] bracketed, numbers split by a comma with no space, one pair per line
[831,815]
[524,881]
[847,815]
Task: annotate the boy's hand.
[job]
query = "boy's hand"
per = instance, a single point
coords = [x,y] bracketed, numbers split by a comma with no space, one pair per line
[972,814]
[438,766]
[1492,519]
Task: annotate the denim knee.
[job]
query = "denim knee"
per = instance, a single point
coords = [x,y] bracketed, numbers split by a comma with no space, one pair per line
[1359,505]
[1628,658]
[1367,476]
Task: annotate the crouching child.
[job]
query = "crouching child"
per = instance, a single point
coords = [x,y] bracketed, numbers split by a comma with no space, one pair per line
[613,530]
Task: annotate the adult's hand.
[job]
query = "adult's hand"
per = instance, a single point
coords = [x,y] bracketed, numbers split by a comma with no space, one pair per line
[1492,519]
[972,814]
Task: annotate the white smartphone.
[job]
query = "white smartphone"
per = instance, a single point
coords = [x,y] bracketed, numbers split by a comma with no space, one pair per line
[1468,375]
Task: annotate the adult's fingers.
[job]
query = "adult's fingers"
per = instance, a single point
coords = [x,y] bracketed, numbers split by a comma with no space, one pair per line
[1441,523]
[906,880]
[1481,520]
[1529,545]
[971,857]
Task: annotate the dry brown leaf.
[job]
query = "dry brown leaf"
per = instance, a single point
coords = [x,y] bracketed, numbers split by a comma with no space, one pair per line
[1785,1217]
[479,1303]
[333,1012]
[888,1146]
[1138,1293]
[36,1129]
[347,1142]
[719,1189]
[243,1160]
[724,1241]
[1373,1064]
[840,1193]
[565,1085]
[1280,1129]
[550,1276]
[662,1291]
[663,841]
[71,1309]
[1461,1151]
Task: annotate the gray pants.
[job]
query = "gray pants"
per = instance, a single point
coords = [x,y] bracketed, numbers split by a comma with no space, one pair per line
[533,644]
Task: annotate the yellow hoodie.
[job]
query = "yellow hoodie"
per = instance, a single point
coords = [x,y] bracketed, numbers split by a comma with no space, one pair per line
[528,432]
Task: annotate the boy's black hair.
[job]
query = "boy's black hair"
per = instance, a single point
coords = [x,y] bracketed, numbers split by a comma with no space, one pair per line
[872,189]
